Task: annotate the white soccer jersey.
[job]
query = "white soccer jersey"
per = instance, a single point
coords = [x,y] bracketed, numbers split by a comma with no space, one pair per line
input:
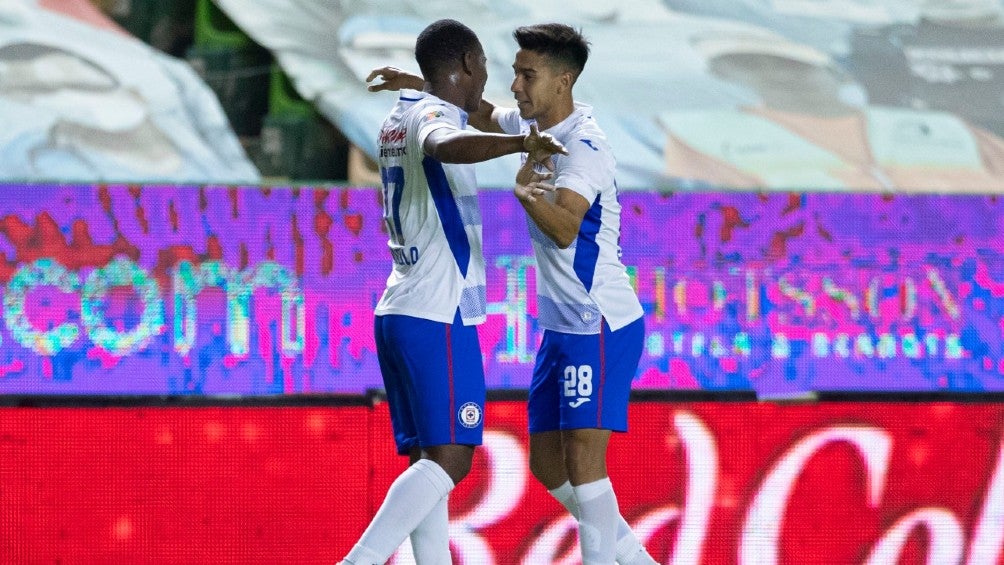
[577,285]
[431,213]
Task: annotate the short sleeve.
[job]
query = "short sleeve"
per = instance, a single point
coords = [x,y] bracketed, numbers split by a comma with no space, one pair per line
[433,117]
[587,169]
[509,120]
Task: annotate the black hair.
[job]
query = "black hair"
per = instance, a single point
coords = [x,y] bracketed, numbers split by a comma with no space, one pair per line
[443,43]
[561,43]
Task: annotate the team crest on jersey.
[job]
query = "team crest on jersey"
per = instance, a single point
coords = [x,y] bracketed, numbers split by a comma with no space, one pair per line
[470,415]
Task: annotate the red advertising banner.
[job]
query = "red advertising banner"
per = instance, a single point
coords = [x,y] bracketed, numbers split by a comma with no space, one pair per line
[746,483]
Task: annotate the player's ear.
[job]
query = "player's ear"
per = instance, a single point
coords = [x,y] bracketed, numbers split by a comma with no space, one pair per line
[467,62]
[565,81]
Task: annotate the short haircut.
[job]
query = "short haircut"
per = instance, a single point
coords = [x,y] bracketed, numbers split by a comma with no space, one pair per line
[443,44]
[561,43]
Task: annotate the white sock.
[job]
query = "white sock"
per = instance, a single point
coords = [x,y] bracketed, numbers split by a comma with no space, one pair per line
[430,540]
[597,522]
[630,550]
[415,493]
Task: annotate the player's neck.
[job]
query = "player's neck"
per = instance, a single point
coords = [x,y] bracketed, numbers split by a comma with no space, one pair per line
[556,114]
[446,91]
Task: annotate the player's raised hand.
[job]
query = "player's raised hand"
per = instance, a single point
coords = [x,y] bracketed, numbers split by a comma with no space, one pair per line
[540,147]
[393,79]
[529,183]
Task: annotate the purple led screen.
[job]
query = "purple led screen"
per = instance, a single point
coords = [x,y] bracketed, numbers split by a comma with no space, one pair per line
[223,290]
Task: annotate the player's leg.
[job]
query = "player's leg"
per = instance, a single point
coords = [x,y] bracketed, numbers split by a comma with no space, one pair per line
[451,394]
[597,373]
[547,461]
[556,386]
[450,425]
[416,354]
[430,540]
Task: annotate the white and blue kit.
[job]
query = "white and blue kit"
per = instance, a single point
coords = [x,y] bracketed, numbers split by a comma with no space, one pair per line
[586,304]
[426,338]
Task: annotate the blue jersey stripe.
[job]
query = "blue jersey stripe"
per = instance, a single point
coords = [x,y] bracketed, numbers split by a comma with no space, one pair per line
[586,249]
[449,213]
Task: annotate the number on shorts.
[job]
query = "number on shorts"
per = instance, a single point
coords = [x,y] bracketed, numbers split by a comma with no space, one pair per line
[578,380]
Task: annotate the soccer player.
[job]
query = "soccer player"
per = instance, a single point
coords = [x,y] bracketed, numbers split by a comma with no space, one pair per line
[592,319]
[426,339]
[590,313]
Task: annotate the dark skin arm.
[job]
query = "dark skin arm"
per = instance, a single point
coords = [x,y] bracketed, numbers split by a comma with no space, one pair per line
[468,146]
[559,220]
[462,146]
[484,118]
[395,79]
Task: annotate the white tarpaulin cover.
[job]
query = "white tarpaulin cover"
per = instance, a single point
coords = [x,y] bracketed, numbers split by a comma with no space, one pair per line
[696,94]
[82,101]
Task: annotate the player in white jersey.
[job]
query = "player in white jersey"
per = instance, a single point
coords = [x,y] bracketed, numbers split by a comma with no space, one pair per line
[427,343]
[591,315]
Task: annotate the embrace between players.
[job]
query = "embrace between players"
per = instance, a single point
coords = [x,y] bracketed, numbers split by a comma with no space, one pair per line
[427,343]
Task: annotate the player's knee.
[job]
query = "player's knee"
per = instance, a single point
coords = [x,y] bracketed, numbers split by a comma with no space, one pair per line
[548,468]
[538,467]
[454,459]
[458,469]
[585,454]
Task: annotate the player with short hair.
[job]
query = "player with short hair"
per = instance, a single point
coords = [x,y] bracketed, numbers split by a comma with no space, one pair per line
[426,339]
[592,319]
[587,306]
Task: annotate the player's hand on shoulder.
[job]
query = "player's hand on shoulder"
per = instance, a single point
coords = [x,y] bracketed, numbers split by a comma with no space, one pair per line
[393,79]
[529,183]
[540,146]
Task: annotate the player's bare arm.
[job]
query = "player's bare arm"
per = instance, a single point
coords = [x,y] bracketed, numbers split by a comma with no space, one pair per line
[394,79]
[463,146]
[559,220]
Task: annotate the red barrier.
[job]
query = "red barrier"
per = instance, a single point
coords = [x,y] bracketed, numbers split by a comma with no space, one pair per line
[748,483]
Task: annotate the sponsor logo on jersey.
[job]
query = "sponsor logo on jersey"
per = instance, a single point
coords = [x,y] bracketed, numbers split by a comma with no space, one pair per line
[470,415]
[391,136]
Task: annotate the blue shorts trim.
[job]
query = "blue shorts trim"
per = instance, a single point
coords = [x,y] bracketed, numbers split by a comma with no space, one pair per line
[434,378]
[584,381]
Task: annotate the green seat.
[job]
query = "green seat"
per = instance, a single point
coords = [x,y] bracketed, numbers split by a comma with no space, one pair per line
[214,28]
[283,97]
[297,142]
[240,79]
[302,147]
[235,67]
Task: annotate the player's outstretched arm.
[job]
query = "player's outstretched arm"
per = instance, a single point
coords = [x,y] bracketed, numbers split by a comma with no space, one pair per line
[394,79]
[462,146]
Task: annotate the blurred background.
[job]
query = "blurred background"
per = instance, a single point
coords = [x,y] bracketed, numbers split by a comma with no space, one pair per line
[801,94]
